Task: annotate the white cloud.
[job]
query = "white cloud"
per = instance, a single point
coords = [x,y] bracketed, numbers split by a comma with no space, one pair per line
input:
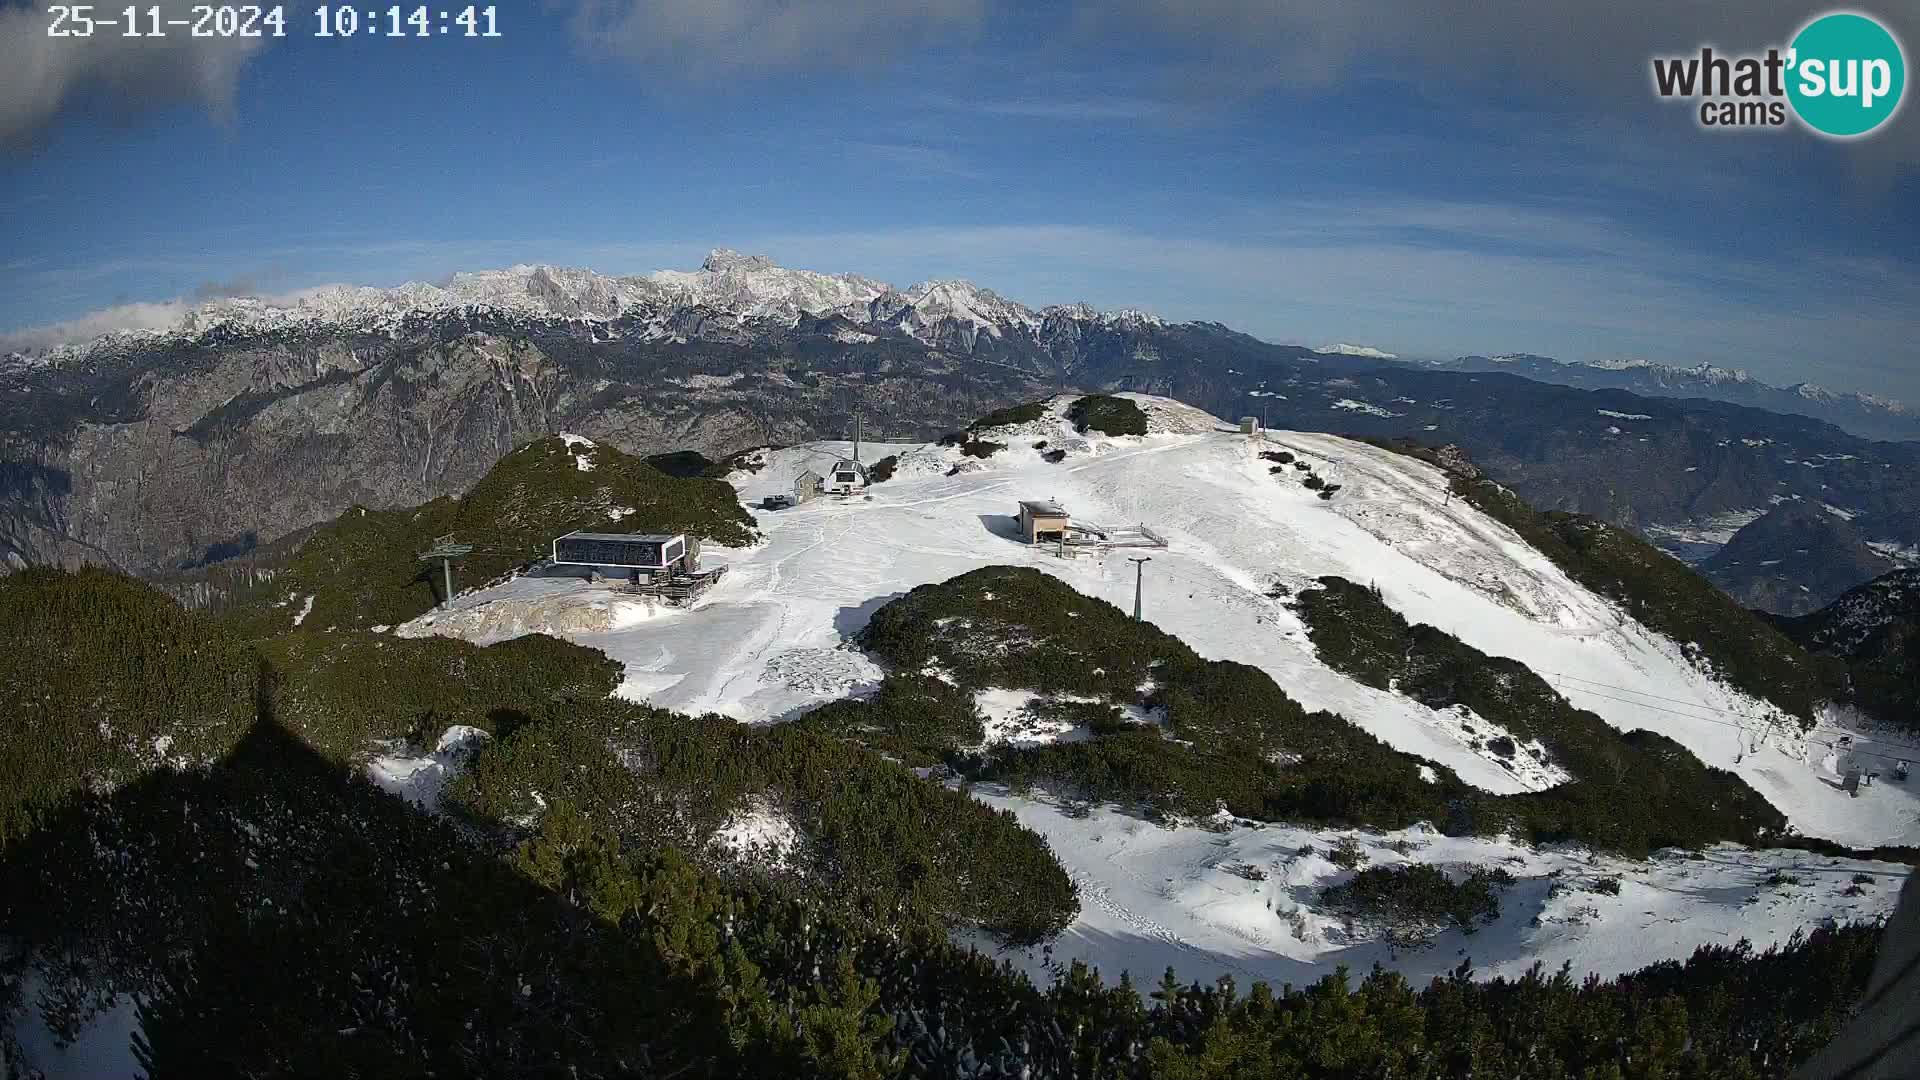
[143,315]
[718,38]
[1592,58]
[138,316]
[1416,276]
[915,158]
[1077,110]
[126,75]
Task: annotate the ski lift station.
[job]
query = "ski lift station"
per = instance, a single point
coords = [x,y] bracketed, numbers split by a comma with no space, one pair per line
[661,565]
[847,476]
[634,556]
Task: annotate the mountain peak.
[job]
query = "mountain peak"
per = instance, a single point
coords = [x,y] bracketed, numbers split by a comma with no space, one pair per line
[721,260]
[1342,348]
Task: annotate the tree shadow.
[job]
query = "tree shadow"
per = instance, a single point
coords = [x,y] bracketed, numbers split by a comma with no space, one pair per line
[272,912]
[507,721]
[849,621]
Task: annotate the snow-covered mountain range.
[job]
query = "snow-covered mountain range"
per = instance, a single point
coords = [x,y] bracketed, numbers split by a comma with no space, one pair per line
[155,449]
[742,290]
[1871,415]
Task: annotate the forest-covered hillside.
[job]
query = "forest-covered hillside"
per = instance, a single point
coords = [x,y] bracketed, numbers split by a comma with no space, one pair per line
[193,850]
[266,913]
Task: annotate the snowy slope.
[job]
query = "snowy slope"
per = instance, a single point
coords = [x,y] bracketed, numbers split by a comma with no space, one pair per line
[1153,898]
[772,640]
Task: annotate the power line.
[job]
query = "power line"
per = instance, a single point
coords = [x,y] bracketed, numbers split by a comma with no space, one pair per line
[1743,728]
[1630,690]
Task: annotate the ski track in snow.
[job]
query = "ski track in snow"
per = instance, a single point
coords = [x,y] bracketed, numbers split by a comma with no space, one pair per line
[772,639]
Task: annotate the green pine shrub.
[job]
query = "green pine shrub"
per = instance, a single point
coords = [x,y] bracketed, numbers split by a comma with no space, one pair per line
[1632,791]
[1412,901]
[1013,414]
[1107,415]
[363,569]
[102,680]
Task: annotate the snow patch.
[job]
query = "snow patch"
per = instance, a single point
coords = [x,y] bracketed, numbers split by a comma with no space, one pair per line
[760,834]
[823,672]
[1363,407]
[1716,530]
[1007,717]
[1341,348]
[419,778]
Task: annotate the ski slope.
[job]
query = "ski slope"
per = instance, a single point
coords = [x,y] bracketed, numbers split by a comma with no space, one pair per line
[773,639]
[1153,898]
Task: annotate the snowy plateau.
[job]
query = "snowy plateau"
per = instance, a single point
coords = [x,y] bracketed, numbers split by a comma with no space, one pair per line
[775,638]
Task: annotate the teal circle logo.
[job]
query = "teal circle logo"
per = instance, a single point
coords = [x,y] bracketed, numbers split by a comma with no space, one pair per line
[1846,75]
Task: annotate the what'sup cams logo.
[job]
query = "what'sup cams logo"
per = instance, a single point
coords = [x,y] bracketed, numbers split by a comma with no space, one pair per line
[1843,77]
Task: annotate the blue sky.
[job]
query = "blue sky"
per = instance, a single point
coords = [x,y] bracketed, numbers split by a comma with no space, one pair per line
[1495,180]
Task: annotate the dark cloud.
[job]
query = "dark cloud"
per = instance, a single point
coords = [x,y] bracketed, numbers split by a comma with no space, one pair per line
[126,76]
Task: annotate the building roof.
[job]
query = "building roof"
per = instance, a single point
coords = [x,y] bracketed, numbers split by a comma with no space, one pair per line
[1042,508]
[644,538]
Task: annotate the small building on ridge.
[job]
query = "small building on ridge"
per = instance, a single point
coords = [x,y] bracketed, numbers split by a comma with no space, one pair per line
[1042,522]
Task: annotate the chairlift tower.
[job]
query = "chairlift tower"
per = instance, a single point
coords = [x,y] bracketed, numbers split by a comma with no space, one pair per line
[1139,573]
[446,551]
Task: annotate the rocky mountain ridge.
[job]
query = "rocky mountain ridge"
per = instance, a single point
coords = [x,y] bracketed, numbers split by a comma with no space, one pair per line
[1873,416]
[667,305]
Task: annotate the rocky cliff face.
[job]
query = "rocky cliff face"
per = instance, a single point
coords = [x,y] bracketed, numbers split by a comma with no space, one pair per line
[156,450]
[199,450]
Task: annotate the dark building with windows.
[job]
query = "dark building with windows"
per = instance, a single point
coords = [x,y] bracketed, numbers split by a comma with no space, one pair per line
[639,556]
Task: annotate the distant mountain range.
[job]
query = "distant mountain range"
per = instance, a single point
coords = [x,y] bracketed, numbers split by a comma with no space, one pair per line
[1868,415]
[247,421]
